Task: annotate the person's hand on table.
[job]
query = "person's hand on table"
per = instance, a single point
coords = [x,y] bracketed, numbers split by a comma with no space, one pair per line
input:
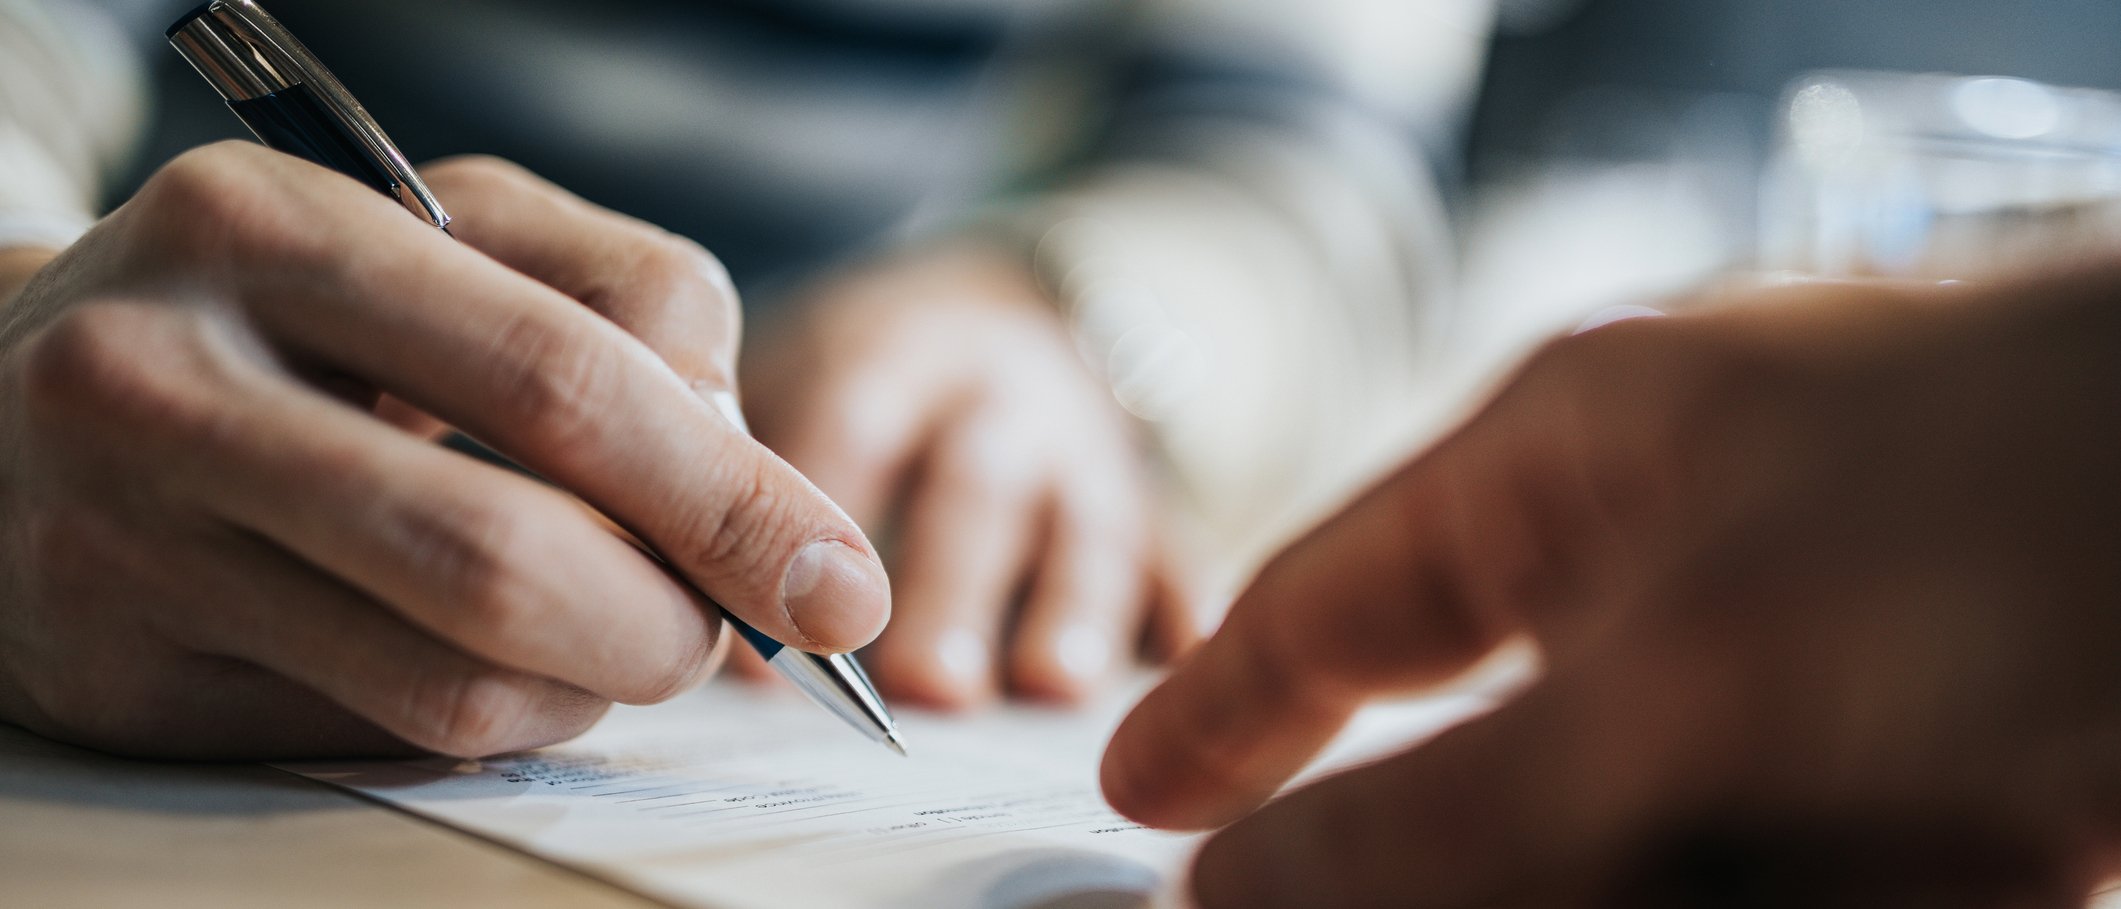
[213,544]
[938,394]
[1827,595]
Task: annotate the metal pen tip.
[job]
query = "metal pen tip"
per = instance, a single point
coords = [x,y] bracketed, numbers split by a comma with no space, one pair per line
[893,742]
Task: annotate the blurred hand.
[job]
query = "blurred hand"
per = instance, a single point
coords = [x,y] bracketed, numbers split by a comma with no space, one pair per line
[1828,602]
[214,548]
[939,395]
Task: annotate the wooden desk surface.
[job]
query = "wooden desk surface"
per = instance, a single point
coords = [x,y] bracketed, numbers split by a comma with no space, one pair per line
[80,829]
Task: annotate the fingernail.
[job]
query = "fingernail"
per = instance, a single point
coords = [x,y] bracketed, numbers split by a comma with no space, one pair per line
[1082,652]
[964,658]
[836,596]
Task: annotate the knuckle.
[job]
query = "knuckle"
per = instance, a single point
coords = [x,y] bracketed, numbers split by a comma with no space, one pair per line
[1111,511]
[479,556]
[86,350]
[677,274]
[1745,376]
[1675,405]
[212,184]
[983,463]
[1728,390]
[907,667]
[670,257]
[839,415]
[231,201]
[147,374]
[567,717]
[1565,360]
[735,532]
[92,359]
[689,260]
[469,712]
[555,383]
[206,176]
[1606,381]
[693,663]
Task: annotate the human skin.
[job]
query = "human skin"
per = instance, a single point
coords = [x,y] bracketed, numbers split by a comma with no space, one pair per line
[937,392]
[225,531]
[1825,591]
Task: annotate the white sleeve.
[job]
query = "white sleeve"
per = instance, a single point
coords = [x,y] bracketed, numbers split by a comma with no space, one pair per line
[71,109]
[1264,270]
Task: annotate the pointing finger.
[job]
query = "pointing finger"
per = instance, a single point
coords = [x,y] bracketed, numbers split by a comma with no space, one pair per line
[567,394]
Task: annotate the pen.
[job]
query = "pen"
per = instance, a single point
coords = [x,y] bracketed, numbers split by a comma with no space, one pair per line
[295,105]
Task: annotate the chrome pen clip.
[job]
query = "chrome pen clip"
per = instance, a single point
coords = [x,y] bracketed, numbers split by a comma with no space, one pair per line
[251,59]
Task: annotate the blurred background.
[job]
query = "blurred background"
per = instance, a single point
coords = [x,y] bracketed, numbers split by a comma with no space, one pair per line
[1293,237]
[1638,148]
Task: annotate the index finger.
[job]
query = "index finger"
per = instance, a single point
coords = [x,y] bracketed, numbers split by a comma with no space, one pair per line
[662,288]
[1410,586]
[564,392]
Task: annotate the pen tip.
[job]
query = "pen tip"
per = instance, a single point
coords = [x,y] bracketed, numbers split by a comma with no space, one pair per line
[893,742]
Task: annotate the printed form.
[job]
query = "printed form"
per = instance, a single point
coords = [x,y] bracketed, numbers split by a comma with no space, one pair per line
[739,796]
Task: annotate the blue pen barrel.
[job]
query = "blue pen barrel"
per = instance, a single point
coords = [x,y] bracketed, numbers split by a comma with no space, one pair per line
[292,120]
[767,647]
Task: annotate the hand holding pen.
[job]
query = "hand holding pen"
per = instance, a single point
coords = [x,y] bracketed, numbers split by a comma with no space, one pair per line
[219,550]
[295,105]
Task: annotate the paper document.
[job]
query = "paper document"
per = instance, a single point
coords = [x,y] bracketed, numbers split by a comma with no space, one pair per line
[736,796]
